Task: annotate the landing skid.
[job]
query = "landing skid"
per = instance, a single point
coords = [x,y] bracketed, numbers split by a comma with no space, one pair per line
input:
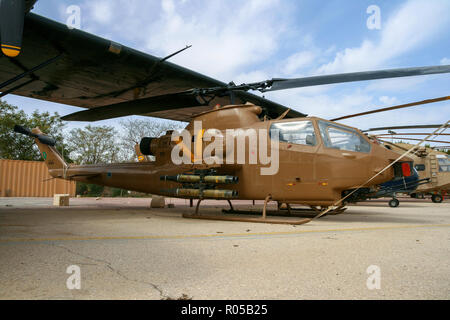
[338,210]
[246,219]
[298,213]
[307,214]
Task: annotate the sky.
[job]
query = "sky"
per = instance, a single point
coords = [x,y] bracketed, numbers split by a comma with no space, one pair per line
[256,40]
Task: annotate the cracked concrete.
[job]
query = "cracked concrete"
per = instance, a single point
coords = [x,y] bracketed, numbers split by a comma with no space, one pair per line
[114,270]
[124,255]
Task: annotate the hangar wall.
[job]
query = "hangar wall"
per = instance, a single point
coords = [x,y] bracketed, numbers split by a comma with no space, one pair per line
[31,179]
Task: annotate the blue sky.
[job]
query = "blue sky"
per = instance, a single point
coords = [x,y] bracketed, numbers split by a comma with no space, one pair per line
[254,40]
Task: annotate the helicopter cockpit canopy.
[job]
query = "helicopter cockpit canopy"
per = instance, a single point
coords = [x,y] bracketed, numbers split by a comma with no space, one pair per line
[444,162]
[342,138]
[296,132]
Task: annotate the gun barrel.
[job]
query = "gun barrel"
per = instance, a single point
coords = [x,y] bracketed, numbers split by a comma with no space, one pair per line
[187,178]
[202,194]
[221,179]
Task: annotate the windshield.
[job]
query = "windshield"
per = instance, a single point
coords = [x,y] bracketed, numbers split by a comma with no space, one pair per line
[444,163]
[342,138]
[297,132]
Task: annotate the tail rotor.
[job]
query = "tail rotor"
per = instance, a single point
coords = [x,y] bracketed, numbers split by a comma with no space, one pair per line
[42,138]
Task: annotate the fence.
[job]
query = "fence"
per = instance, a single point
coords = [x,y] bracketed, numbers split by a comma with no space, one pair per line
[30,179]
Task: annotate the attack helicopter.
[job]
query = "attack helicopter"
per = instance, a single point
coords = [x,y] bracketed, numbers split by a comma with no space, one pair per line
[310,161]
[433,168]
[420,182]
[320,161]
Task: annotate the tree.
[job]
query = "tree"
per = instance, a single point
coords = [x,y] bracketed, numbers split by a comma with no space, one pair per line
[444,150]
[135,129]
[19,147]
[93,145]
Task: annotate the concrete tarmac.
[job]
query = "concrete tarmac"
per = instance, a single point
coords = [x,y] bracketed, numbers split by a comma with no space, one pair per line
[125,250]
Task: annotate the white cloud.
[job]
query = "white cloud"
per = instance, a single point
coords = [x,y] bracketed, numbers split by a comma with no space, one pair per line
[253,76]
[297,61]
[100,11]
[168,6]
[403,32]
[445,61]
[226,36]
[222,43]
[390,101]
[324,105]
[398,85]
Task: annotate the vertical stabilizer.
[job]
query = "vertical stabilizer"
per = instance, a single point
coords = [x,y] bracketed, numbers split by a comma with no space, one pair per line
[51,156]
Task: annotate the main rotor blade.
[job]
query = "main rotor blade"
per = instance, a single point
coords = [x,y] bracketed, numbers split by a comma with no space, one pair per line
[412,139]
[281,84]
[407,105]
[392,144]
[400,147]
[12,13]
[426,126]
[137,107]
[409,134]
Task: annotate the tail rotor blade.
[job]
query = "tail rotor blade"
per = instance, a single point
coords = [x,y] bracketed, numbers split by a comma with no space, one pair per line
[46,140]
[42,138]
[23,130]
[12,14]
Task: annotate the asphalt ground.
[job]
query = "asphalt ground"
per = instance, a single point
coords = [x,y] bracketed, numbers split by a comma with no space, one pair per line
[125,250]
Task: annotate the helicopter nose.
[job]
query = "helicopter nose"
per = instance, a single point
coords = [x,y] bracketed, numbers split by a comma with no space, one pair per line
[406,179]
[412,182]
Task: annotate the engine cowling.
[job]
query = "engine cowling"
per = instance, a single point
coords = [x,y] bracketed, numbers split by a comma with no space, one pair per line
[148,146]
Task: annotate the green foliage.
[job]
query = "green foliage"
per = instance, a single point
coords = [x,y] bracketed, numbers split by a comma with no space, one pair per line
[89,190]
[117,192]
[93,190]
[89,145]
[93,145]
[19,147]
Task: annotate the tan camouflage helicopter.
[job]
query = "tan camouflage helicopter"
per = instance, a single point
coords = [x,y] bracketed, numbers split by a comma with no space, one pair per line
[320,162]
[431,164]
[251,148]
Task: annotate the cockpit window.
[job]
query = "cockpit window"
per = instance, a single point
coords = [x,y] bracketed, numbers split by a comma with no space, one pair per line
[342,138]
[444,163]
[420,167]
[297,132]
